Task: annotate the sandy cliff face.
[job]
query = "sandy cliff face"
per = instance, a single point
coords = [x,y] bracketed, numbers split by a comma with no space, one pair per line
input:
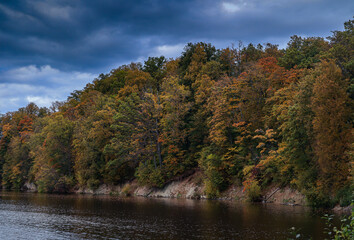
[189,187]
[285,195]
[29,187]
[193,187]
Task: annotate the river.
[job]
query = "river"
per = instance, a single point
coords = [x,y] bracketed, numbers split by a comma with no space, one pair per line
[49,216]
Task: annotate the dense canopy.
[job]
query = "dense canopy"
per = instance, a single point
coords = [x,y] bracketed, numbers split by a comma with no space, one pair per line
[251,115]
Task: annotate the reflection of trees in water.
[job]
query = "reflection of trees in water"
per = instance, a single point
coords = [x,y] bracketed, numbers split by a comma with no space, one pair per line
[88,216]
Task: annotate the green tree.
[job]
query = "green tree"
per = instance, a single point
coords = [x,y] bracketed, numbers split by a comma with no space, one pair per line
[303,52]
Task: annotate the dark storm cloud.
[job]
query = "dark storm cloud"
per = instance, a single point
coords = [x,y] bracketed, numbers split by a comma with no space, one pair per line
[91,34]
[82,37]
[85,34]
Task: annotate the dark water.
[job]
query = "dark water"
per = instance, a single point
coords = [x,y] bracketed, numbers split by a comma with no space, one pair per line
[43,216]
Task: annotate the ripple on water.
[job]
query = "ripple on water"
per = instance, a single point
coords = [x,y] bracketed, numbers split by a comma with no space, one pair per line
[41,216]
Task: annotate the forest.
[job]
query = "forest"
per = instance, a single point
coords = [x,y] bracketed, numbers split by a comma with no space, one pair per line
[250,115]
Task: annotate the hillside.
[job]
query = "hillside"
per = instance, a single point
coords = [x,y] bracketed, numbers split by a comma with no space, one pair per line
[254,116]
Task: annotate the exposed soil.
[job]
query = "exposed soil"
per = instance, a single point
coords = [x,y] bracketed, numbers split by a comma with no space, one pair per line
[192,187]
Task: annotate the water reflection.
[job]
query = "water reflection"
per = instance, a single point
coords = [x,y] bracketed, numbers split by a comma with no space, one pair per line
[42,216]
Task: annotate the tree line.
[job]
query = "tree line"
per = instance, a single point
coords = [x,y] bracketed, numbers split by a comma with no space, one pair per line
[250,115]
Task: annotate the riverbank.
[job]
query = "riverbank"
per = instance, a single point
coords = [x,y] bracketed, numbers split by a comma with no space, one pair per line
[192,187]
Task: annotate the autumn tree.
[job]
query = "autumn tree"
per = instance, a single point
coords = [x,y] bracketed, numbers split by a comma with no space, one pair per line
[174,130]
[253,115]
[52,154]
[92,133]
[342,50]
[331,126]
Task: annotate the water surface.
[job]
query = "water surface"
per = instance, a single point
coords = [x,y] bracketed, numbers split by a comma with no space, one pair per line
[47,216]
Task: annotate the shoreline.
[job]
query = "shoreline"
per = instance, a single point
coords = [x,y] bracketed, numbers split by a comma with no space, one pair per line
[192,187]
[189,187]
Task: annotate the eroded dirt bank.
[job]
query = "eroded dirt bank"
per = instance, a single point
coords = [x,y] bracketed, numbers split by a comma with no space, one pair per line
[192,187]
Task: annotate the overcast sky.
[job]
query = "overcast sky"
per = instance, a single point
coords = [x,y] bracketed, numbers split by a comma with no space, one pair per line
[48,48]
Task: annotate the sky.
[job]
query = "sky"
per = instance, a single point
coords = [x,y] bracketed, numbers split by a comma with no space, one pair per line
[49,48]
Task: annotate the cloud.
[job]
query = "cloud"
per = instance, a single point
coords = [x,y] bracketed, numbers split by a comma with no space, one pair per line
[40,100]
[41,85]
[52,11]
[45,38]
[29,73]
[169,51]
[231,7]
[13,14]
[90,35]
[43,75]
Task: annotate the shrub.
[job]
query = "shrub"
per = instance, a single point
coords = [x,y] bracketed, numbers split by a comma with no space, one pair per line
[64,184]
[214,181]
[211,189]
[93,183]
[254,192]
[126,190]
[345,195]
[316,198]
[344,232]
[148,175]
